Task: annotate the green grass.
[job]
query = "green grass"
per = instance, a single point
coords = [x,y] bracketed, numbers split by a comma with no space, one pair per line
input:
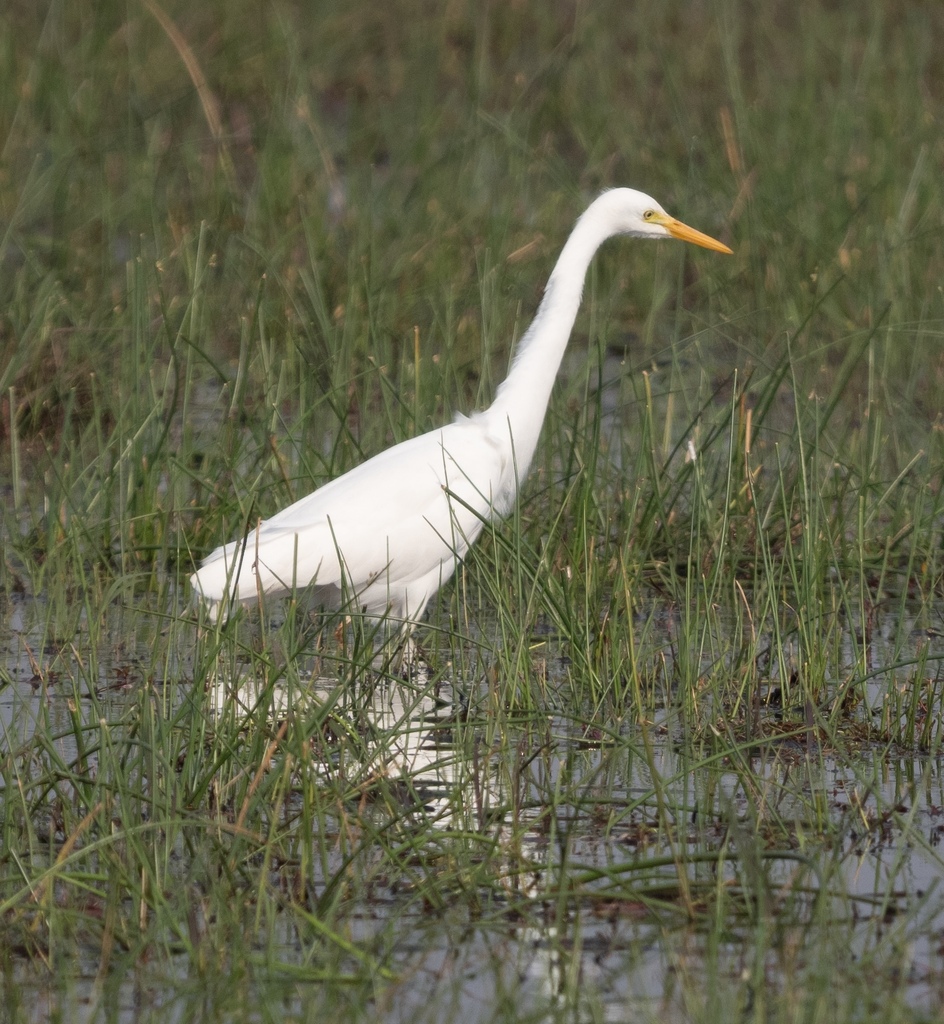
[682,721]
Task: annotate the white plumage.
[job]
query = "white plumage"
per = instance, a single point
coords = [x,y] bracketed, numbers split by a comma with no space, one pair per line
[384,537]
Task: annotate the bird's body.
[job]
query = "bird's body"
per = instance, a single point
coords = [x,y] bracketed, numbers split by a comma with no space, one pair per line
[339,540]
[384,537]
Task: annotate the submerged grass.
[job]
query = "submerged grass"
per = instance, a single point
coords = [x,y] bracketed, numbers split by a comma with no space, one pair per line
[673,711]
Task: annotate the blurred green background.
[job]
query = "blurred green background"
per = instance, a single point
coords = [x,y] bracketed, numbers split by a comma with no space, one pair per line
[379,191]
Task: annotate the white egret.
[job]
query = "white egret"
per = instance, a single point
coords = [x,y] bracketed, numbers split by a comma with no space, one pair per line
[385,536]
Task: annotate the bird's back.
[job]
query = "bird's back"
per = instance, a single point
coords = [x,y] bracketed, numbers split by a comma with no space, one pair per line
[384,536]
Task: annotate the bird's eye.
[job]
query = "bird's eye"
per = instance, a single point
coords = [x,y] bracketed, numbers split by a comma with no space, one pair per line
[649,214]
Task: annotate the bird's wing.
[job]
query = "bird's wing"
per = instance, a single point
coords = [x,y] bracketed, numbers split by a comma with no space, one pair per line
[403,513]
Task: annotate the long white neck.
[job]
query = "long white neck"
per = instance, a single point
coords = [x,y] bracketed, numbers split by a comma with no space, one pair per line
[521,400]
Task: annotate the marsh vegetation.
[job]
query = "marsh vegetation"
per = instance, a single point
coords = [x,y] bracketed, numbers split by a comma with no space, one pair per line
[675,750]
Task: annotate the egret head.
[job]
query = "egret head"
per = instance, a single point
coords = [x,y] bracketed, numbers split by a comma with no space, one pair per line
[635,213]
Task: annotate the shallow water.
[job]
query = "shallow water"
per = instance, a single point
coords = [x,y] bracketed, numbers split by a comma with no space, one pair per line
[581,817]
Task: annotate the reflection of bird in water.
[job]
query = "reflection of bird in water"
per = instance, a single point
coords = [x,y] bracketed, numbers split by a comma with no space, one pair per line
[383,538]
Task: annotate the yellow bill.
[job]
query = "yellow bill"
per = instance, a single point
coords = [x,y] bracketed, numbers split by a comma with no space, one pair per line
[686,234]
